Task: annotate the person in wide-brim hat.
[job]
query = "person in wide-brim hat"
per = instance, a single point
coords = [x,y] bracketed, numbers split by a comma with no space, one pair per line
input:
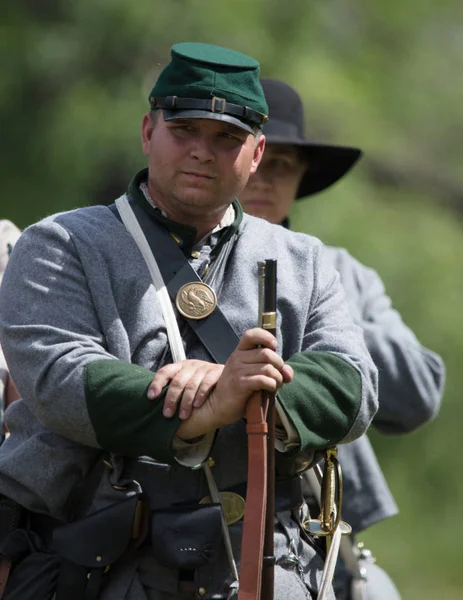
[327,163]
[293,166]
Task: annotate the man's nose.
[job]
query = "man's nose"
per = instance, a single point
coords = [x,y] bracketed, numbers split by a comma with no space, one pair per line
[202,149]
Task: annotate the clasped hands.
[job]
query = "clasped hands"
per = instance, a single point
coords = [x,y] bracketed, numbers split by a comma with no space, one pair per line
[209,396]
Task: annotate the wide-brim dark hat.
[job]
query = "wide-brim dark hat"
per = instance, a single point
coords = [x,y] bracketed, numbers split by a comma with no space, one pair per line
[327,163]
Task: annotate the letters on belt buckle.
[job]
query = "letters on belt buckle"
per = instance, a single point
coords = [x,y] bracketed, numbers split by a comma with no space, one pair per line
[233,506]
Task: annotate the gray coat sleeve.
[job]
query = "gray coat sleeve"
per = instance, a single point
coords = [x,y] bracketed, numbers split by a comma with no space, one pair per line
[411,377]
[50,330]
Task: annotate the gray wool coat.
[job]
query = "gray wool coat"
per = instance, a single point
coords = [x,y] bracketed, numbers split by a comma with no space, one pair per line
[411,385]
[77,290]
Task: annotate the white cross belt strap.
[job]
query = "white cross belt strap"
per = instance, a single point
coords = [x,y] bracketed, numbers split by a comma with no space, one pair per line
[133,227]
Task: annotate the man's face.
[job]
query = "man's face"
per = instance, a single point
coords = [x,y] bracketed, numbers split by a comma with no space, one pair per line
[197,166]
[271,191]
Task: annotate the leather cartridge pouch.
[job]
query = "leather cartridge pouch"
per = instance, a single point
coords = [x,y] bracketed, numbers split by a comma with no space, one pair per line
[186,537]
[101,538]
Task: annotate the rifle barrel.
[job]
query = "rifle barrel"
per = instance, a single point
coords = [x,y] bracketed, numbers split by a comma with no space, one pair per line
[269,301]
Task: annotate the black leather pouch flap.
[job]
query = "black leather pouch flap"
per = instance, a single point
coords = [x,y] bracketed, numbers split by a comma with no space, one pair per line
[100,538]
[12,516]
[186,537]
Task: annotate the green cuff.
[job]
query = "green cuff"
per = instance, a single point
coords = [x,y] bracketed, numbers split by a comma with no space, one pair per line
[322,402]
[123,418]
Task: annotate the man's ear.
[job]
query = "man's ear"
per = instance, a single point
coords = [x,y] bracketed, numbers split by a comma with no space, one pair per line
[147,127]
[258,154]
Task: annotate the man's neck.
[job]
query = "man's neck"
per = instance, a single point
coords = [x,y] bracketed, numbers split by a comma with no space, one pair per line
[204,226]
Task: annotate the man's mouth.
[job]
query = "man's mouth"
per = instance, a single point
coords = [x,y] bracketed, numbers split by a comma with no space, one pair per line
[198,175]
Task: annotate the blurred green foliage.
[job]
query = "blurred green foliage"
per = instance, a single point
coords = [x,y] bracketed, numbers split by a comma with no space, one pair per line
[380,75]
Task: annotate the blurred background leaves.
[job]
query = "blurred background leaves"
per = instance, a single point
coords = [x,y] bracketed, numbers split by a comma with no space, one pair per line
[384,76]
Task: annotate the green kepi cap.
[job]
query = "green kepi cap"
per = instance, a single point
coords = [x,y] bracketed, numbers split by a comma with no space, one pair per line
[210,82]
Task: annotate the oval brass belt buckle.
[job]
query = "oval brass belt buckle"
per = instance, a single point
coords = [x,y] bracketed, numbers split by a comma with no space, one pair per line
[233,506]
[196,300]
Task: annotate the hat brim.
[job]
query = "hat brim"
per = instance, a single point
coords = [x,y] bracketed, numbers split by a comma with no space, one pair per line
[326,163]
[172,115]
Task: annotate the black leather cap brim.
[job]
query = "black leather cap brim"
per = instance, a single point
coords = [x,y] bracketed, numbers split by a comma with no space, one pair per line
[171,115]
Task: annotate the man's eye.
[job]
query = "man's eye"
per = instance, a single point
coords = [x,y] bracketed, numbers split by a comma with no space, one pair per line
[230,136]
[280,163]
[182,128]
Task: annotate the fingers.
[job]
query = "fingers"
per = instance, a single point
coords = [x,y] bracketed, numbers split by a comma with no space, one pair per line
[198,389]
[207,384]
[162,378]
[261,356]
[287,373]
[247,352]
[261,377]
[253,366]
[190,382]
[186,381]
[257,337]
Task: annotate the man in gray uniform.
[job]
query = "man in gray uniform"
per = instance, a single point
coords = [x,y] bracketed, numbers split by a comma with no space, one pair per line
[105,417]
[411,380]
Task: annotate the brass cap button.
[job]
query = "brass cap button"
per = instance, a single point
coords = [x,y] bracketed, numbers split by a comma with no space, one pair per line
[202,591]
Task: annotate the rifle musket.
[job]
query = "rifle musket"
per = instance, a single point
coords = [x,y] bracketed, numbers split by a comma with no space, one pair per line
[257,556]
[269,320]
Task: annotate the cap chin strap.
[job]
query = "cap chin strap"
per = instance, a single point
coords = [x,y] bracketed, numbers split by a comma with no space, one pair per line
[213,105]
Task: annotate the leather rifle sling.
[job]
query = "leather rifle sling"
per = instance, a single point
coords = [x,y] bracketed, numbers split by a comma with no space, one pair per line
[252,545]
[269,319]
[257,570]
[268,574]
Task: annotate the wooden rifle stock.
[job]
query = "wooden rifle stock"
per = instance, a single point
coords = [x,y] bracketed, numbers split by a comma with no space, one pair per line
[257,557]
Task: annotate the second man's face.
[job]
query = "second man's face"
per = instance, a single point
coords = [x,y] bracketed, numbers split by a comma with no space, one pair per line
[271,191]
